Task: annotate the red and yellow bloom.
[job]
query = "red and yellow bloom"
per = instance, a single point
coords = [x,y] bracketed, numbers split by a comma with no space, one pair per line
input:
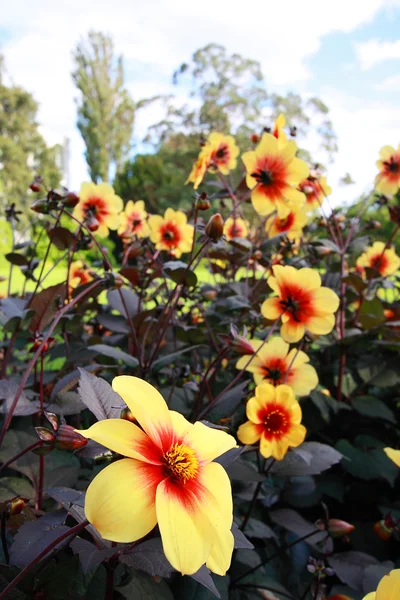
[315,190]
[388,588]
[381,259]
[235,228]
[292,225]
[171,232]
[388,179]
[272,361]
[79,274]
[133,221]
[274,419]
[167,478]
[221,151]
[198,171]
[98,208]
[273,171]
[301,302]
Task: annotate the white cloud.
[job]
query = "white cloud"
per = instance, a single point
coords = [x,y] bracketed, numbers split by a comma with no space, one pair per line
[373,52]
[389,84]
[155,37]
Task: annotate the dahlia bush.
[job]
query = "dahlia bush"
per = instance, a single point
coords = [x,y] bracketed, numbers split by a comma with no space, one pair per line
[204,403]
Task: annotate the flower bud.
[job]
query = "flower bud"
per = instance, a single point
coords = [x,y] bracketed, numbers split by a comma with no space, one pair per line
[40,206]
[242,346]
[16,506]
[215,227]
[92,223]
[69,439]
[203,204]
[208,292]
[255,138]
[127,415]
[71,200]
[323,250]
[35,184]
[135,250]
[53,419]
[45,434]
[383,530]
[338,528]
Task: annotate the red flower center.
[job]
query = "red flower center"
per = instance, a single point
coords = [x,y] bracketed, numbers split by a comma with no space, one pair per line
[221,155]
[135,222]
[297,302]
[276,421]
[286,223]
[235,230]
[311,189]
[170,234]
[271,176]
[95,207]
[274,370]
[181,462]
[379,262]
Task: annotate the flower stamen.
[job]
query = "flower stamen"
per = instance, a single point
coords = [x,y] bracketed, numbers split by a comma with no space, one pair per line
[181,462]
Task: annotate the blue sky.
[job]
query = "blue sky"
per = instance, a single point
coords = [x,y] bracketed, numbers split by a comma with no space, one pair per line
[347,53]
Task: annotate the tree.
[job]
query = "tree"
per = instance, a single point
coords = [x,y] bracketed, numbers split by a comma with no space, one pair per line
[23,151]
[105,109]
[229,95]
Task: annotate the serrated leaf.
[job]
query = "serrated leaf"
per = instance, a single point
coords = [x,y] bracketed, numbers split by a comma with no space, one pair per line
[46,304]
[90,556]
[115,353]
[148,557]
[99,397]
[323,457]
[8,391]
[350,567]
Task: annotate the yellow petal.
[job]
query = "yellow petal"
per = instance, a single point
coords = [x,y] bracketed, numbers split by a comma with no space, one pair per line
[261,203]
[310,279]
[120,501]
[292,332]
[321,325]
[325,300]
[394,455]
[148,406]
[186,532]
[268,145]
[207,442]
[297,171]
[249,433]
[295,436]
[389,586]
[271,309]
[220,557]
[123,437]
[370,596]
[386,152]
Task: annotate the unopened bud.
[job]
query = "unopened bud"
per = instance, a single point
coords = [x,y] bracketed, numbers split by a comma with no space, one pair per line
[215,227]
[40,206]
[36,184]
[323,250]
[209,293]
[135,250]
[242,346]
[255,138]
[16,506]
[340,218]
[71,200]
[203,204]
[338,528]
[383,531]
[53,419]
[256,255]
[45,434]
[127,415]
[92,223]
[69,439]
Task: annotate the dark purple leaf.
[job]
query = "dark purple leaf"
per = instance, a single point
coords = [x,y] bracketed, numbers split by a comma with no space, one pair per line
[148,557]
[89,556]
[99,397]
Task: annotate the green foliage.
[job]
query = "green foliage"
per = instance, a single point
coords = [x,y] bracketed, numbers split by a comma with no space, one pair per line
[105,109]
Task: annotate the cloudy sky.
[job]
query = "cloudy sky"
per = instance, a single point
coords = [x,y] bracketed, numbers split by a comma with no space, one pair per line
[346,52]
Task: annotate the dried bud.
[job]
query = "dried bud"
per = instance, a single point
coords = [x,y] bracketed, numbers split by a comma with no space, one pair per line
[394,212]
[45,434]
[69,439]
[127,415]
[215,227]
[337,528]
[203,204]
[16,505]
[41,206]
[71,200]
[255,138]
[36,184]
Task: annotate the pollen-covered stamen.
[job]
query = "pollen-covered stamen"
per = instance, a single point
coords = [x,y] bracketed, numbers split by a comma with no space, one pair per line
[263,176]
[181,462]
[275,422]
[274,374]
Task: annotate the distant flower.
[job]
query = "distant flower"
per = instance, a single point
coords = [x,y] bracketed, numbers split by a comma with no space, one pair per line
[133,221]
[301,301]
[171,232]
[384,261]
[272,172]
[221,151]
[98,208]
[198,171]
[274,419]
[388,179]
[79,274]
[292,225]
[388,588]
[168,479]
[235,228]
[315,190]
[273,360]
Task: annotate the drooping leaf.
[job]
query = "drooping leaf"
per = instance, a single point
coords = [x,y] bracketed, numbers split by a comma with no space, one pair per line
[115,353]
[322,458]
[90,556]
[350,567]
[46,304]
[62,238]
[99,397]
[16,259]
[114,323]
[148,557]
[241,540]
